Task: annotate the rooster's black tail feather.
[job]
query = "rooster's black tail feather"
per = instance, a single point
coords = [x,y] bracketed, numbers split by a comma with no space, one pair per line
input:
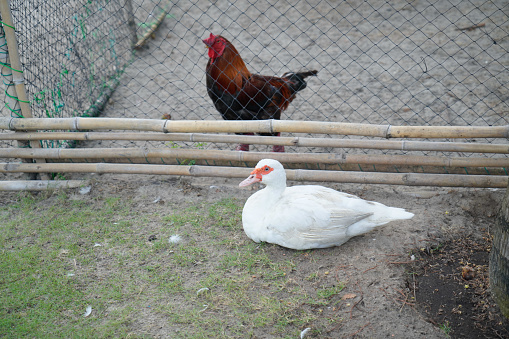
[297,80]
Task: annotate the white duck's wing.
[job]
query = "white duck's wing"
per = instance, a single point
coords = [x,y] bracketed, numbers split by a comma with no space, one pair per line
[311,219]
[335,232]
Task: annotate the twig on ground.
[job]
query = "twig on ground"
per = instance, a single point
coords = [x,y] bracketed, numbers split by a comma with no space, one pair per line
[471,28]
[400,262]
[360,329]
[369,269]
[351,308]
[404,301]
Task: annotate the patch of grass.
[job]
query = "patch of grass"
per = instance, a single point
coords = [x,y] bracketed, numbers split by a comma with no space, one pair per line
[226,213]
[186,255]
[328,292]
[59,255]
[446,328]
[38,249]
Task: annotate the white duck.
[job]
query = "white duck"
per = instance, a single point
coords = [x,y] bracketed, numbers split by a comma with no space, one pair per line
[307,216]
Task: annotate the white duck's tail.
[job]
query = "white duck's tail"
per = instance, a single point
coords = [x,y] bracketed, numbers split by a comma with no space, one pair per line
[381,216]
[390,214]
[396,213]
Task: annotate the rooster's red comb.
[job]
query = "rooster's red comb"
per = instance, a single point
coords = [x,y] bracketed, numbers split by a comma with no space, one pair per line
[210,40]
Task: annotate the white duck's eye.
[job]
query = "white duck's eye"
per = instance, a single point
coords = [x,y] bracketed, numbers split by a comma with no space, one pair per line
[266,168]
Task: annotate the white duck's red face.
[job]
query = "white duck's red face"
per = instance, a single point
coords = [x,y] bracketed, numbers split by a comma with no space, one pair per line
[263,172]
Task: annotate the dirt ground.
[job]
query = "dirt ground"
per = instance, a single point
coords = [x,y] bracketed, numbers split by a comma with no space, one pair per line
[403,280]
[396,63]
[451,286]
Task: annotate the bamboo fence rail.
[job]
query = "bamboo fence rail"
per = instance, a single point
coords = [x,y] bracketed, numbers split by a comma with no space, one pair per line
[402,145]
[258,126]
[408,179]
[221,155]
[410,169]
[40,185]
[327,161]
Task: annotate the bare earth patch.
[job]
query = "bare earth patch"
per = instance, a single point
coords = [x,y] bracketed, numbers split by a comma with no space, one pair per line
[452,288]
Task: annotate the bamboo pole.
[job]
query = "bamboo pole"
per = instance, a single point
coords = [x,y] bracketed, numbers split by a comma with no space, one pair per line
[256,126]
[10,93]
[429,132]
[403,145]
[40,185]
[12,44]
[408,179]
[153,28]
[310,166]
[253,157]
[327,161]
[17,78]
[293,126]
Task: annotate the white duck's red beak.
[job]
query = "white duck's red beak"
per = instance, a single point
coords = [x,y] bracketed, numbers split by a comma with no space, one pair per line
[254,177]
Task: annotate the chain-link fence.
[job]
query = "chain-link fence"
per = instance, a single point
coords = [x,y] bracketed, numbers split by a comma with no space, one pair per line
[379,62]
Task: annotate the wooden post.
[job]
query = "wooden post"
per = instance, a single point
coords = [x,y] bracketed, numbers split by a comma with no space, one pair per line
[499,258]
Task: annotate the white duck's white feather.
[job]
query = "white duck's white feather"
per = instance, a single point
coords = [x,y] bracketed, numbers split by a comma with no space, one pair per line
[309,216]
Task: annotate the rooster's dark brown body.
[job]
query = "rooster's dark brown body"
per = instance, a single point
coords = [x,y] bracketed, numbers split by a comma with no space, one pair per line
[239,95]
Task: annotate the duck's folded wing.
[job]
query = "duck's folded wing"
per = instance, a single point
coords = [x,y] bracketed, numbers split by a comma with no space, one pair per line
[318,229]
[347,217]
[340,220]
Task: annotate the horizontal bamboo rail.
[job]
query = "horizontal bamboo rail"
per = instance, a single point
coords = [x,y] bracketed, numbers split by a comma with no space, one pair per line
[221,155]
[40,185]
[346,166]
[408,179]
[259,126]
[308,166]
[403,145]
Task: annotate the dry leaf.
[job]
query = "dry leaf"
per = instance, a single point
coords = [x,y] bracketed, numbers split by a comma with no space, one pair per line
[349,296]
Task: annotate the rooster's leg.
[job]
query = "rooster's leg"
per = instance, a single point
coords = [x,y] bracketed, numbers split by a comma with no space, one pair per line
[278,148]
[243,147]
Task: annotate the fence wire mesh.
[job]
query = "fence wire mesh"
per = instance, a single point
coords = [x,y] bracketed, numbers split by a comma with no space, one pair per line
[429,63]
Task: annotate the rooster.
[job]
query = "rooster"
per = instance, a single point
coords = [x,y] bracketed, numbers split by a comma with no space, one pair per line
[240,95]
